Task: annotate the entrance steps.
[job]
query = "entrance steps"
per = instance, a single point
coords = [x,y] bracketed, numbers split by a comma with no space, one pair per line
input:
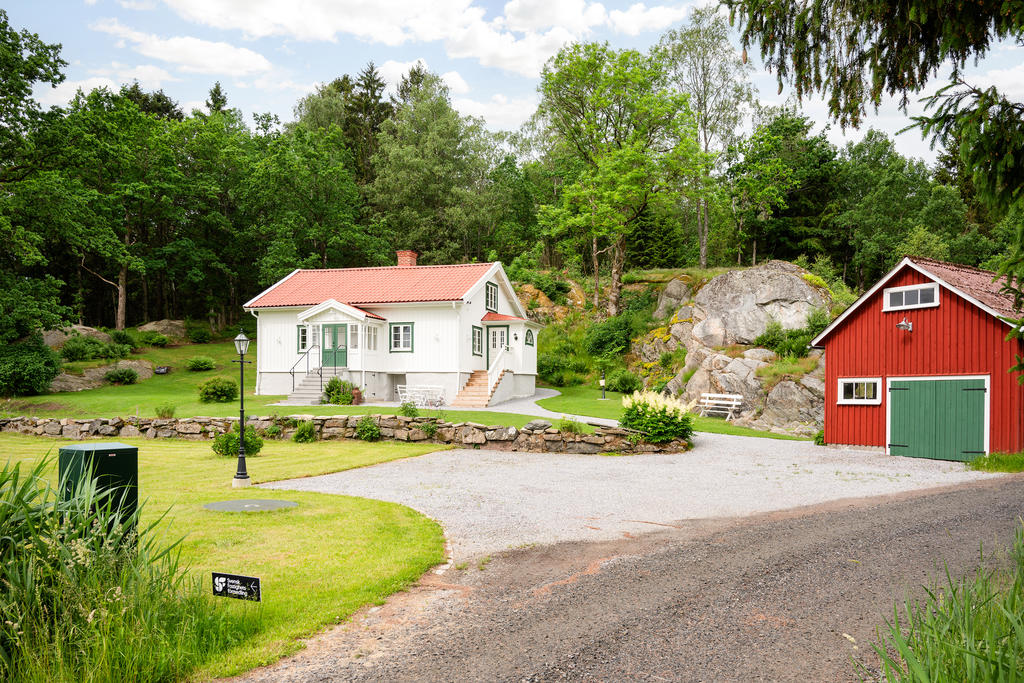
[307,391]
[476,393]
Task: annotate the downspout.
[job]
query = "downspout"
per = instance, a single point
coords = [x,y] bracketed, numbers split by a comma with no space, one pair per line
[362,353]
[259,354]
[458,348]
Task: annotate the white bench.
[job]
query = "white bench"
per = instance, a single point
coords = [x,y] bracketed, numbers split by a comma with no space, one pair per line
[725,404]
[422,395]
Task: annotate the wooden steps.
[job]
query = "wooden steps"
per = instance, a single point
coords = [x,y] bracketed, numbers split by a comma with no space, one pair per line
[475,394]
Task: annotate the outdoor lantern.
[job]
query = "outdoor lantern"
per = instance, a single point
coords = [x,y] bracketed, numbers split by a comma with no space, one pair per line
[515,336]
[904,325]
[241,344]
[602,385]
[241,479]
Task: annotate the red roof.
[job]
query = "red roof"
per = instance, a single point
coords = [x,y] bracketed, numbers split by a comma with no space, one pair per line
[365,286]
[981,285]
[496,317]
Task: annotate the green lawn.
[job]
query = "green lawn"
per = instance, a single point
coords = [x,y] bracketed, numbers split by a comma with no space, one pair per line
[319,562]
[584,400]
[180,388]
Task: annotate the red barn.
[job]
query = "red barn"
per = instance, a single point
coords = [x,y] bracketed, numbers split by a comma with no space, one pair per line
[919,365]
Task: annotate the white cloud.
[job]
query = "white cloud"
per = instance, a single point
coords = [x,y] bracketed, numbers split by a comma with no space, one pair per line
[189,54]
[536,15]
[1009,82]
[639,18]
[500,112]
[64,92]
[455,82]
[149,76]
[140,5]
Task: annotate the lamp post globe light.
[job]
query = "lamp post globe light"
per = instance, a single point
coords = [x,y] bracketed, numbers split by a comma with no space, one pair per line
[241,479]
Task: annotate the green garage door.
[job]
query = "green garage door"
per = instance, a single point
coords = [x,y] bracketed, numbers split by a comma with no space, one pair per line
[942,419]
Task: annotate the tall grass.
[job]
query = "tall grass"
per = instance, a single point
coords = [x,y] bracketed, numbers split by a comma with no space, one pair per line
[86,596]
[970,629]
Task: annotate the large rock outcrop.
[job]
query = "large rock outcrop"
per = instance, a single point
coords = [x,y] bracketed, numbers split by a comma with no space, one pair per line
[174,329]
[56,338]
[676,293]
[92,378]
[736,307]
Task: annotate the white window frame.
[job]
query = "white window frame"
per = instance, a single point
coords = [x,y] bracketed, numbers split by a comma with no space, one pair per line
[302,343]
[877,400]
[401,347]
[491,293]
[353,336]
[371,338]
[886,306]
[478,341]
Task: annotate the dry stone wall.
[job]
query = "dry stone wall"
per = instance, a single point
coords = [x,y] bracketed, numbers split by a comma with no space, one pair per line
[537,436]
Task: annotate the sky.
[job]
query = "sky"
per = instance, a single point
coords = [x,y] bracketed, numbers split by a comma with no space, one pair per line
[269,53]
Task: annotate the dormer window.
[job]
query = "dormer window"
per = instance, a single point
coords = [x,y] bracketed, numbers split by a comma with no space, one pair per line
[914,296]
[491,297]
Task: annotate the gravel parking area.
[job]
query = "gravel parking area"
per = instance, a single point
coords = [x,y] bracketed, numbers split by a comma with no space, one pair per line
[490,501]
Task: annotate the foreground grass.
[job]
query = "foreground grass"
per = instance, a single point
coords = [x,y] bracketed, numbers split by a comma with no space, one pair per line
[319,562]
[998,462]
[586,401]
[180,389]
[968,629]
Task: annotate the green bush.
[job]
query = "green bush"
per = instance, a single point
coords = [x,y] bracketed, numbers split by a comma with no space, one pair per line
[165,411]
[409,409]
[78,348]
[199,363]
[429,428]
[121,376]
[81,599]
[613,336]
[218,390]
[305,432]
[27,367]
[272,432]
[124,338]
[153,339]
[660,418]
[570,426]
[793,342]
[624,382]
[339,392]
[199,335]
[819,437]
[367,429]
[226,444]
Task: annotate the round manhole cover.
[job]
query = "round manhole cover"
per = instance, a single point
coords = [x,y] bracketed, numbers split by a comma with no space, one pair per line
[250,505]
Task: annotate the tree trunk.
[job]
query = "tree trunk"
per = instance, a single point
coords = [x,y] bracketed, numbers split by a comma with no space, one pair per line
[122,297]
[702,231]
[753,254]
[618,263]
[597,270]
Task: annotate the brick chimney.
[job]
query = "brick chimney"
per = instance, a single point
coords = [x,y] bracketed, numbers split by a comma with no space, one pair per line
[406,258]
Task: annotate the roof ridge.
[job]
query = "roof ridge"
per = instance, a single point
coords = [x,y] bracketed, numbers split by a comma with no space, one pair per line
[958,266]
[437,265]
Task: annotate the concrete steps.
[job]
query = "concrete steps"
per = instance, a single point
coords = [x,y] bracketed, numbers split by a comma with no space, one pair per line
[475,394]
[308,391]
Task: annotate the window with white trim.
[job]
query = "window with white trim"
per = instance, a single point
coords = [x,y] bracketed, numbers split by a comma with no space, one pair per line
[860,391]
[912,296]
[371,338]
[353,336]
[401,337]
[478,341]
[529,337]
[303,338]
[491,302]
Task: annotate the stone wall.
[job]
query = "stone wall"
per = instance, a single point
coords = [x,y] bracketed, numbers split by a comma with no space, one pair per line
[537,436]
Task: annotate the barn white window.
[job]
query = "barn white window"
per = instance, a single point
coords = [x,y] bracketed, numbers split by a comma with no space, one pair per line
[860,391]
[914,296]
[401,337]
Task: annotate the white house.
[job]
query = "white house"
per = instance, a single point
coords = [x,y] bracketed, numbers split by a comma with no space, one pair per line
[456,327]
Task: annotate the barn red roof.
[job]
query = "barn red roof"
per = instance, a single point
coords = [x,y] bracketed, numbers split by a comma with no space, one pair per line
[978,284]
[497,317]
[365,286]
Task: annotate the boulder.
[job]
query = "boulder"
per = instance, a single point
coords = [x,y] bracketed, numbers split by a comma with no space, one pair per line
[676,293]
[91,378]
[790,402]
[174,329]
[738,305]
[763,355]
[537,425]
[56,338]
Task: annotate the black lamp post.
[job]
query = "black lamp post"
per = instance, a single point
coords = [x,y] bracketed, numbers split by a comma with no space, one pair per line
[241,479]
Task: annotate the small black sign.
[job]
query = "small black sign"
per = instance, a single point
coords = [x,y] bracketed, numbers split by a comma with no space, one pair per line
[236,586]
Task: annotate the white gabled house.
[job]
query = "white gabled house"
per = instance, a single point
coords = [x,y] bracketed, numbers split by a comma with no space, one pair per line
[457,327]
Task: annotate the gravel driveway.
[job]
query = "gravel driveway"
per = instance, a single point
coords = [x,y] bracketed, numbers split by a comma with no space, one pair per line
[490,501]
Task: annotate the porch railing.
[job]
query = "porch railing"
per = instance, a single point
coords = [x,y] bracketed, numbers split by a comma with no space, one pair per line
[498,365]
[305,357]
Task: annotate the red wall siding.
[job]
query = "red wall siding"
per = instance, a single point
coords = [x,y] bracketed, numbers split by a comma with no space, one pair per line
[954,338]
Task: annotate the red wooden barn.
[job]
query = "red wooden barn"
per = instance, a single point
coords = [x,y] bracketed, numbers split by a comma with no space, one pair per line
[919,365]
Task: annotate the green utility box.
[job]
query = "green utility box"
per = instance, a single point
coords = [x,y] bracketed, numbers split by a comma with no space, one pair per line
[113,466]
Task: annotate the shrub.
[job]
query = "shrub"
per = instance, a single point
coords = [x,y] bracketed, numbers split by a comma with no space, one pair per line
[121,376]
[81,599]
[199,335]
[305,432]
[666,359]
[793,342]
[218,390]
[367,429]
[165,411]
[199,363]
[624,382]
[153,339]
[409,409]
[430,429]
[611,336]
[78,347]
[27,368]
[660,418]
[570,425]
[272,432]
[819,438]
[124,338]
[226,444]
[339,392]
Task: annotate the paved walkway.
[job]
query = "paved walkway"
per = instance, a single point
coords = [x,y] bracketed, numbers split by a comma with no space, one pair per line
[520,406]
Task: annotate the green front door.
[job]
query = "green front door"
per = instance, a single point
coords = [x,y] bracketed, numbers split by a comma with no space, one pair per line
[942,419]
[335,346]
